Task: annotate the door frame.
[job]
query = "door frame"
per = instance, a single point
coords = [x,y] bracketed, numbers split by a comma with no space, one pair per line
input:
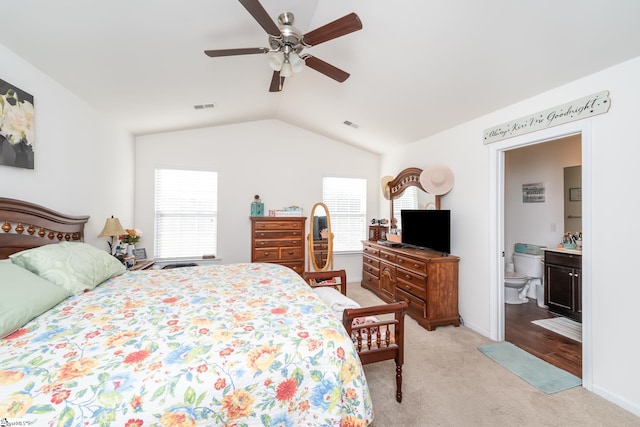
[496,231]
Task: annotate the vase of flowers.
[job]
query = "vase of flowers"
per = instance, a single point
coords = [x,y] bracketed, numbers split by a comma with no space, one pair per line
[131,238]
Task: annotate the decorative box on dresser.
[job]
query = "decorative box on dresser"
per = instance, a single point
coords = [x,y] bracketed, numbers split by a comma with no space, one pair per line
[278,240]
[423,278]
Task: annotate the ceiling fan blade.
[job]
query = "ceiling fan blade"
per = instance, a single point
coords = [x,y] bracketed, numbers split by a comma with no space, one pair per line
[277,82]
[259,14]
[325,68]
[230,52]
[340,27]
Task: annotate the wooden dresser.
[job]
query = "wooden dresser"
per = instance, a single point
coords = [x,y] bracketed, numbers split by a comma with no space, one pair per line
[427,281]
[321,251]
[278,240]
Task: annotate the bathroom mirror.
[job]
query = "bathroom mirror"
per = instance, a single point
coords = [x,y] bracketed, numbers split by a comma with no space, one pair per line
[573,199]
[320,239]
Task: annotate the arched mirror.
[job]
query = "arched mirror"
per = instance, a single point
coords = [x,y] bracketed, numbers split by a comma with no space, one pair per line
[320,239]
[394,188]
[428,185]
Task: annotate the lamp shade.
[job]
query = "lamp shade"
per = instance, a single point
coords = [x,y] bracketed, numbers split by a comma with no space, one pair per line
[112,227]
[297,63]
[286,70]
[276,60]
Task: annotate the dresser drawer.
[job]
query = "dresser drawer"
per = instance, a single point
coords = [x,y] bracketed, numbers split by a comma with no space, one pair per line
[275,235]
[367,268]
[416,305]
[320,246]
[298,267]
[274,243]
[567,260]
[411,282]
[366,249]
[370,280]
[291,253]
[412,264]
[266,255]
[373,262]
[388,256]
[278,225]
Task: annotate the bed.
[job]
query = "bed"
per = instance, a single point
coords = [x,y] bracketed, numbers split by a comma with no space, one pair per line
[239,344]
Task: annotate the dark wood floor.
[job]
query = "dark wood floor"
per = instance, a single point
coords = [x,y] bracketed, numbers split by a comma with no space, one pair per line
[556,349]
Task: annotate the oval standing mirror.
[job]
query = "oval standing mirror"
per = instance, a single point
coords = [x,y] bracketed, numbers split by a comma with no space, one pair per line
[320,239]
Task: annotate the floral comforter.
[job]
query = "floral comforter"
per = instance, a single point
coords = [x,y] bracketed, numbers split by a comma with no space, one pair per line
[241,344]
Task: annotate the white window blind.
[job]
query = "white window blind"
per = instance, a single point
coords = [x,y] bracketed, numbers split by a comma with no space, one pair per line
[346,199]
[408,200]
[186,213]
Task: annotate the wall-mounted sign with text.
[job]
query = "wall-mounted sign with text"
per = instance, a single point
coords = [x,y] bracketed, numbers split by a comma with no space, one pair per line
[579,109]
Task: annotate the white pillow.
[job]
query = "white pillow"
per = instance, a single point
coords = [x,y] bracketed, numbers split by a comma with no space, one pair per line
[74,266]
[335,300]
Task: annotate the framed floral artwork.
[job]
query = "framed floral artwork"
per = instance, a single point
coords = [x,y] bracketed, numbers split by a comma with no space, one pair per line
[17,126]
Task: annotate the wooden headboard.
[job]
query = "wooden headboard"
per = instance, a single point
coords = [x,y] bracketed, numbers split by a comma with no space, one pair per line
[26,225]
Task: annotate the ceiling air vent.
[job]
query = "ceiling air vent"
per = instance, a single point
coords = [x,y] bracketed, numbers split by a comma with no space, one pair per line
[204,106]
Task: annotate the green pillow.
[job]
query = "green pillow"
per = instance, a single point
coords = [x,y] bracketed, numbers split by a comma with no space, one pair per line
[24,296]
[76,267]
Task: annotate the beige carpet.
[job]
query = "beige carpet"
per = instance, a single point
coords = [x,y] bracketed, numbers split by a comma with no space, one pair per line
[448,382]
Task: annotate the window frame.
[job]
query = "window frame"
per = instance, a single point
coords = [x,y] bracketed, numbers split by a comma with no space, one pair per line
[338,215]
[196,233]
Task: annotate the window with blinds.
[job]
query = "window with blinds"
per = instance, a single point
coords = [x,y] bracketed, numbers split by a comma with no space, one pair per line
[408,200]
[186,213]
[346,199]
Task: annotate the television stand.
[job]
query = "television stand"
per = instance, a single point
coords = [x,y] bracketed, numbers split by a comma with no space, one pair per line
[426,279]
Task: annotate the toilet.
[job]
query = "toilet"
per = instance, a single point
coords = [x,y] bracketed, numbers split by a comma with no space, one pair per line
[528,270]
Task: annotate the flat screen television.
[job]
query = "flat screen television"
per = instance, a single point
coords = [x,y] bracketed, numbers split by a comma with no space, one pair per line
[428,229]
[319,224]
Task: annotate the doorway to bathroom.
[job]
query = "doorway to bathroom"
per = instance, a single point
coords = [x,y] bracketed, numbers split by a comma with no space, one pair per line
[540,223]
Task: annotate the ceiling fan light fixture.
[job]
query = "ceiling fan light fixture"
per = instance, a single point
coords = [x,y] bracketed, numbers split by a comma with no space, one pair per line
[286,44]
[297,63]
[276,60]
[286,70]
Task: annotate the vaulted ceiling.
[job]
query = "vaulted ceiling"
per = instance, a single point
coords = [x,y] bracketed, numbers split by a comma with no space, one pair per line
[417,67]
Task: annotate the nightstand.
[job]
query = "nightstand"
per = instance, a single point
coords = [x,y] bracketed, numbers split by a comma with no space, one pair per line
[142,265]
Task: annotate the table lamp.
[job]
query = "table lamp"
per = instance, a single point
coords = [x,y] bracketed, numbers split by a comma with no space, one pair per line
[112,228]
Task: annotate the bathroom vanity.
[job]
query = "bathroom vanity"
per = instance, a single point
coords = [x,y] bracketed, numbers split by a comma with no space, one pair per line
[563,282]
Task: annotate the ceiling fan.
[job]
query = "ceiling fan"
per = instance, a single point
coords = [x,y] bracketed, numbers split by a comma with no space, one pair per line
[286,43]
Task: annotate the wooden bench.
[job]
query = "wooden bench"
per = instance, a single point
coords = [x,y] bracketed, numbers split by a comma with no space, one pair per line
[374,339]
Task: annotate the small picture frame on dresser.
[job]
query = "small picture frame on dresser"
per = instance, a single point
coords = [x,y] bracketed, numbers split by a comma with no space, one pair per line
[140,254]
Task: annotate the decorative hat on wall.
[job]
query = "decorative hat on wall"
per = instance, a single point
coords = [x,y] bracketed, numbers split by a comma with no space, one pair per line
[384,183]
[437,180]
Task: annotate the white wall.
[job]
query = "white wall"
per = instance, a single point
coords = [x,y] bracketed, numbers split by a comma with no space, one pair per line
[613,174]
[83,164]
[282,163]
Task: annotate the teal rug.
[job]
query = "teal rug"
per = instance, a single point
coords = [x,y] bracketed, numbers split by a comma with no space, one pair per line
[540,374]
